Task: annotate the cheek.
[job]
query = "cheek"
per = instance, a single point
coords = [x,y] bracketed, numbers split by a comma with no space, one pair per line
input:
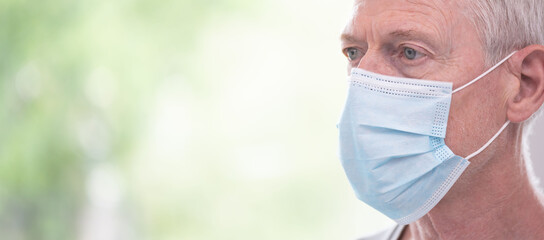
[476,114]
[471,119]
[471,107]
[456,133]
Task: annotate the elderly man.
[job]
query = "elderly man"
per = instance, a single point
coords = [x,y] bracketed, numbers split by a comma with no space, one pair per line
[440,95]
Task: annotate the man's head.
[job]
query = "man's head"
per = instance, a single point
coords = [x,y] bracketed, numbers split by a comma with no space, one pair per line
[455,41]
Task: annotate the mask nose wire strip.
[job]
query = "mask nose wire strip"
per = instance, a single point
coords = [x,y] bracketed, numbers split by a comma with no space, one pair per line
[488,142]
[483,74]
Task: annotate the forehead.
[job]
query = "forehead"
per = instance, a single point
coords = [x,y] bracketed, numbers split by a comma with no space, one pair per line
[436,18]
[443,7]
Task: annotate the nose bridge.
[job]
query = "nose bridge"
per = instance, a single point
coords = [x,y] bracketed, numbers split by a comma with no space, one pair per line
[375,62]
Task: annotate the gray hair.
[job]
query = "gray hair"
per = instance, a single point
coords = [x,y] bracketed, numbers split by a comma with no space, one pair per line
[507,25]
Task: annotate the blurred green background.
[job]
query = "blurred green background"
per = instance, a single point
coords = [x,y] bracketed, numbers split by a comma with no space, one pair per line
[139,119]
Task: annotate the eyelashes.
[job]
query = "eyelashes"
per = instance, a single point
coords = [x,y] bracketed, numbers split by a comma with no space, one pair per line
[404,54]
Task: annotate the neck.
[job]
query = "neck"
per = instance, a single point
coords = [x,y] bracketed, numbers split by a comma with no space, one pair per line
[494,201]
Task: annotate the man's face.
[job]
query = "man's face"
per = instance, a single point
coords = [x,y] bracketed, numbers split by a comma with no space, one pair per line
[433,40]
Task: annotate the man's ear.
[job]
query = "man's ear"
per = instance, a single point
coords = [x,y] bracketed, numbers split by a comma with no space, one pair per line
[527,99]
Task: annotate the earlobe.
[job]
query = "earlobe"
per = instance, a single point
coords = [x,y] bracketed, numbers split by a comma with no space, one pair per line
[529,95]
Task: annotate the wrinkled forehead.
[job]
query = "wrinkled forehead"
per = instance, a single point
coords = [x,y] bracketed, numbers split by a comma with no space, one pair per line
[434,18]
[431,8]
[447,9]
[433,2]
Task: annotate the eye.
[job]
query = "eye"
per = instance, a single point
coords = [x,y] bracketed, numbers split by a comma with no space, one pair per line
[411,54]
[352,53]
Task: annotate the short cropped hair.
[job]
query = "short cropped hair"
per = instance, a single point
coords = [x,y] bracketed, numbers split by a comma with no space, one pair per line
[506,25]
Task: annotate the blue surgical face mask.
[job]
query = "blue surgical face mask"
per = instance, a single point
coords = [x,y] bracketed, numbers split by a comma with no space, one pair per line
[392,145]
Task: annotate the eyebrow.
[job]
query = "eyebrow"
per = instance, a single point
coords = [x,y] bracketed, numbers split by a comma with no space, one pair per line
[409,34]
[345,37]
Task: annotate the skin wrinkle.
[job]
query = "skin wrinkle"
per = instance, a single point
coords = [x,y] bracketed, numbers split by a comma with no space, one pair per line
[376,25]
[510,70]
[445,15]
[493,199]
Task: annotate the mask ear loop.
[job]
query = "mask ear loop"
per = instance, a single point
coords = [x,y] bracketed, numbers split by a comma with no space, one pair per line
[488,142]
[505,124]
[483,74]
